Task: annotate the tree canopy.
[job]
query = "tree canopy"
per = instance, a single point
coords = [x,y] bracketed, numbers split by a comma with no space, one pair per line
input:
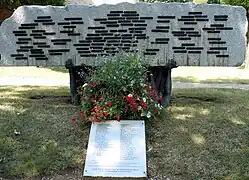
[12,4]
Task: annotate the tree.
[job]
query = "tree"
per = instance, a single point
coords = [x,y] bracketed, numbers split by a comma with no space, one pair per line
[209,1]
[13,4]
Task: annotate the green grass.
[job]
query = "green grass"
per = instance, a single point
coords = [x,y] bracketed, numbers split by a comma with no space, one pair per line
[191,79]
[202,135]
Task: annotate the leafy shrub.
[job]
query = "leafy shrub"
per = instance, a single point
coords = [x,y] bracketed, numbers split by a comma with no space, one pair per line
[118,88]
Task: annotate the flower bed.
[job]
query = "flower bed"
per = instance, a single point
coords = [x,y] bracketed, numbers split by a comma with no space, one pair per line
[118,88]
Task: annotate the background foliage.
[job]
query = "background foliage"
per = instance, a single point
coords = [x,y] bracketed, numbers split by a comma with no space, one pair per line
[13,4]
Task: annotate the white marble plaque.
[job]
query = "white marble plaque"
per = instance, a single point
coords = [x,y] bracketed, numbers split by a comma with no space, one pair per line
[116,149]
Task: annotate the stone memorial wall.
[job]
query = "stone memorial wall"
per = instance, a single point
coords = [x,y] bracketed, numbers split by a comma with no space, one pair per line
[201,35]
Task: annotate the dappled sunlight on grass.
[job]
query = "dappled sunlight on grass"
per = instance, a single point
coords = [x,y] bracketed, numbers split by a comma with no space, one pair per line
[198,139]
[204,135]
[237,121]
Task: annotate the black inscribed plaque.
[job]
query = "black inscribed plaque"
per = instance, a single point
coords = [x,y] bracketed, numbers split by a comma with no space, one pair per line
[178,47]
[166,17]
[188,44]
[29,24]
[24,39]
[224,28]
[179,51]
[217,42]
[21,58]
[73,34]
[17,55]
[43,17]
[48,23]
[195,13]
[150,53]
[97,27]
[159,30]
[213,32]
[218,48]
[222,56]
[39,37]
[38,31]
[39,43]
[43,20]
[213,52]
[187,29]
[202,19]
[22,42]
[146,18]
[194,52]
[55,53]
[214,39]
[217,25]
[17,34]
[63,23]
[194,48]
[72,18]
[26,47]
[41,58]
[184,38]
[194,35]
[49,33]
[43,46]
[82,48]
[27,27]
[190,23]
[208,29]
[69,27]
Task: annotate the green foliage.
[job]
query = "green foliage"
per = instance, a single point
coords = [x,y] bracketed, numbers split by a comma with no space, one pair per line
[244,3]
[183,1]
[118,88]
[16,3]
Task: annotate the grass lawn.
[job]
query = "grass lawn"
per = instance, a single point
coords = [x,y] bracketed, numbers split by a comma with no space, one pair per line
[203,135]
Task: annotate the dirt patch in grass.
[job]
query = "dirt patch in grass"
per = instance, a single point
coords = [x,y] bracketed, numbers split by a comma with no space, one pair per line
[202,135]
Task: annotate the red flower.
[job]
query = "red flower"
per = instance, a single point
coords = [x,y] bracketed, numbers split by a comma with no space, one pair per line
[130,99]
[92,100]
[100,115]
[144,105]
[132,107]
[84,121]
[94,119]
[94,84]
[73,120]
[136,96]
[161,98]
[109,103]
[105,113]
[100,98]
[118,117]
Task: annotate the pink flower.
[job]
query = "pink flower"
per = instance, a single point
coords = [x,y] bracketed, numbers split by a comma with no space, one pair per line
[109,103]
[94,84]
[73,120]
[118,117]
[92,100]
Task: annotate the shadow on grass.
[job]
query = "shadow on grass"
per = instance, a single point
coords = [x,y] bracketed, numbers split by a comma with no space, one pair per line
[48,142]
[191,79]
[202,135]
